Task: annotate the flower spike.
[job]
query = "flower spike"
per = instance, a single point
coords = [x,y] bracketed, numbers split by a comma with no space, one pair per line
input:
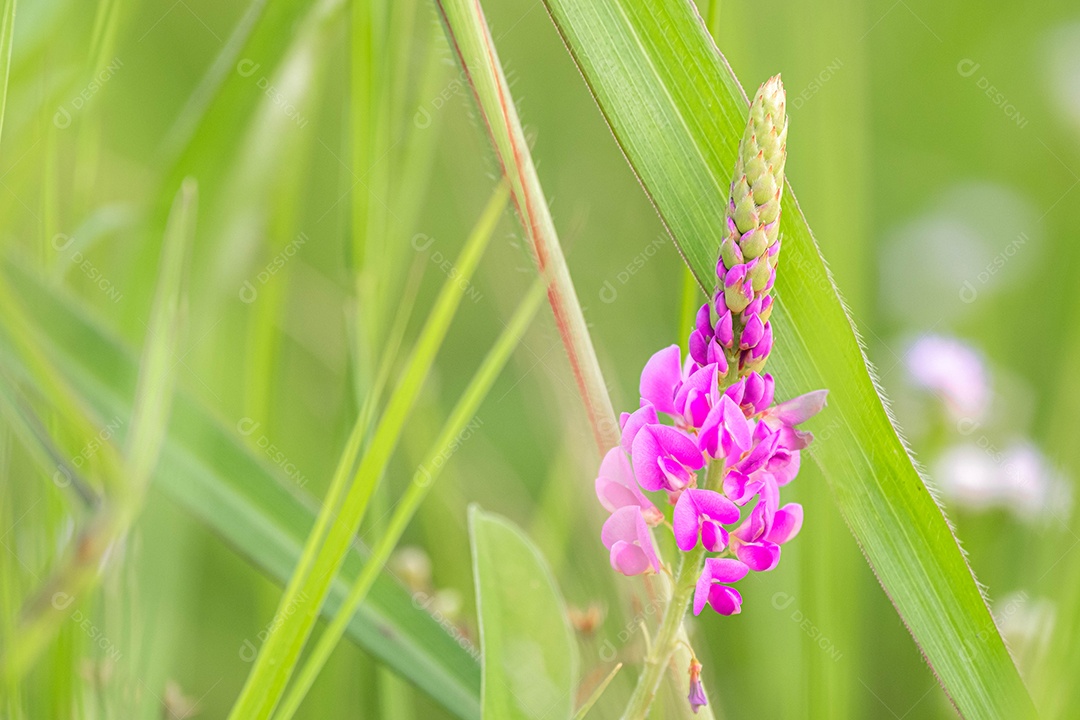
[715,410]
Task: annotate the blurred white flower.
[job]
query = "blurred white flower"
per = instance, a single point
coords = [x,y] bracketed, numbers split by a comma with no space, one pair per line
[1019,479]
[954,371]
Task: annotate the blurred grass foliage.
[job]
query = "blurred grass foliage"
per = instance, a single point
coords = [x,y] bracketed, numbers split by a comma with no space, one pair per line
[341,166]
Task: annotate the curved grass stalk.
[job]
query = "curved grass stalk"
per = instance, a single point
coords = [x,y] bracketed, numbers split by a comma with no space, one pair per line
[471,41]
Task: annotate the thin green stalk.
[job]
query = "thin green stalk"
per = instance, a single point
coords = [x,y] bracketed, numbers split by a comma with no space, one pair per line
[465,410]
[712,18]
[671,635]
[7,32]
[300,605]
[666,641]
[587,706]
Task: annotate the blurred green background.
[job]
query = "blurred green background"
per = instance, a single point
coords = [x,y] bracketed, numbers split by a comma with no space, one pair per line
[934,148]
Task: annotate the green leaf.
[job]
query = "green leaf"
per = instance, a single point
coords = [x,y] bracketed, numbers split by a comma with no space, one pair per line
[529,654]
[207,470]
[677,111]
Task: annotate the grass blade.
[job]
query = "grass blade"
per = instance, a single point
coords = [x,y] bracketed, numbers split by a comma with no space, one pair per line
[418,489]
[79,573]
[209,471]
[305,595]
[677,111]
[587,706]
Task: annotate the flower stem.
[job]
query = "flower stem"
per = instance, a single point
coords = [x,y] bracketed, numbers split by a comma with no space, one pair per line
[667,639]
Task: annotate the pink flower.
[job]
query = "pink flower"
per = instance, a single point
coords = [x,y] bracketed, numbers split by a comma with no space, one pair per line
[702,513]
[796,410]
[660,378]
[696,396]
[665,458]
[753,393]
[626,535]
[616,487]
[952,369]
[711,590]
[757,541]
[631,423]
[725,433]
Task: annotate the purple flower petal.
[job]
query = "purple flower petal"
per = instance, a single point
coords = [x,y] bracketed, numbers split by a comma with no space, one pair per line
[725,570]
[783,465]
[787,521]
[697,697]
[714,538]
[764,345]
[758,556]
[725,331]
[752,333]
[627,536]
[767,393]
[736,425]
[799,409]
[703,321]
[759,455]
[616,487]
[697,395]
[725,600]
[715,354]
[661,451]
[631,424]
[699,347]
[700,512]
[684,522]
[628,559]
[661,376]
[709,434]
[735,275]
[740,488]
